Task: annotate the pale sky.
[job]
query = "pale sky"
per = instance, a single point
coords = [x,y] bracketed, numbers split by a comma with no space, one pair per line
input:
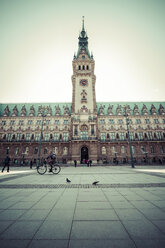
[39,38]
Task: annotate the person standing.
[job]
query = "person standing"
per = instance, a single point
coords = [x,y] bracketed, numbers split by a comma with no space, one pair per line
[7,163]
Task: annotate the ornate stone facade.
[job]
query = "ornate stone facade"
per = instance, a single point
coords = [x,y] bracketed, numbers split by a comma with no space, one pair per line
[83,129]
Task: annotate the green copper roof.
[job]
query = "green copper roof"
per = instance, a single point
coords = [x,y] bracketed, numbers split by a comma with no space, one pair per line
[140,105]
[36,106]
[102,107]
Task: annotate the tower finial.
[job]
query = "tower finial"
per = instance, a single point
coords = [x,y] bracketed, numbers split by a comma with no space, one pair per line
[83,23]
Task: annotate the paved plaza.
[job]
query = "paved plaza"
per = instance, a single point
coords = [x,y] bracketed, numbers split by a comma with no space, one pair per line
[125,210]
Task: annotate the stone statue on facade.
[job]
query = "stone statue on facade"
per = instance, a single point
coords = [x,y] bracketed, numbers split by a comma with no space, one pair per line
[144,110]
[110,110]
[136,110]
[32,111]
[6,111]
[101,110]
[49,111]
[23,111]
[57,110]
[153,110]
[66,110]
[161,110]
[15,111]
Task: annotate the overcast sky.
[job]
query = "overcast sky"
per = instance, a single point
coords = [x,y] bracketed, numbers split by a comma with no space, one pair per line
[39,38]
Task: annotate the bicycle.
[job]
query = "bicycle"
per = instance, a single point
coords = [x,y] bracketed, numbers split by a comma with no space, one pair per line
[42,169]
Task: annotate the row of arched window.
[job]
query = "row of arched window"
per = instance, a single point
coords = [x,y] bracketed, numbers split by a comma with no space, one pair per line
[83,67]
[143,150]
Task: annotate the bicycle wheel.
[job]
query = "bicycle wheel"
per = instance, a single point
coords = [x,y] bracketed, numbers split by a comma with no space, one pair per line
[56,169]
[41,169]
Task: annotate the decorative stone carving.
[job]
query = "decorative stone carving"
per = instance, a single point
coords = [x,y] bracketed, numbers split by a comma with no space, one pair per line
[110,110]
[161,110]
[153,110]
[6,111]
[66,110]
[84,127]
[49,111]
[84,109]
[32,111]
[15,111]
[23,111]
[101,110]
[136,110]
[128,110]
[83,97]
[57,110]
[40,111]
[144,110]
[118,110]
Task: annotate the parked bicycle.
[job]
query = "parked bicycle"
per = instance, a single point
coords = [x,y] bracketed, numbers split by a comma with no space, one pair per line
[54,168]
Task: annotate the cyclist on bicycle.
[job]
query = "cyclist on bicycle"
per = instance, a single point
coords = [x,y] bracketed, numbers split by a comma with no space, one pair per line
[52,159]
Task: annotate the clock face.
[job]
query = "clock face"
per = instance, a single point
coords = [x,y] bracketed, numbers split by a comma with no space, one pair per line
[83,82]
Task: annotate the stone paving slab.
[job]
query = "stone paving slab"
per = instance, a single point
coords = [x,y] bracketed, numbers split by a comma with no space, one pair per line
[126,209]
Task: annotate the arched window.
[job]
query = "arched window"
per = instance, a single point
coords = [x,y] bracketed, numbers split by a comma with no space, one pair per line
[26,150]
[123,149]
[65,151]
[103,150]
[83,67]
[16,151]
[133,149]
[56,150]
[79,67]
[87,67]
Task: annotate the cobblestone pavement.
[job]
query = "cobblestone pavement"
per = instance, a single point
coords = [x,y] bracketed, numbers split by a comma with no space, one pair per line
[125,209]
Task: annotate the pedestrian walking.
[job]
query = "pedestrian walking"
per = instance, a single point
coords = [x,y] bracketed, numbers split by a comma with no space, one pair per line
[90,162]
[7,163]
[31,164]
[75,163]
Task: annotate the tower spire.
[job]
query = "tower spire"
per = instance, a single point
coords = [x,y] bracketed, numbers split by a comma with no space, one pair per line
[83,24]
[83,40]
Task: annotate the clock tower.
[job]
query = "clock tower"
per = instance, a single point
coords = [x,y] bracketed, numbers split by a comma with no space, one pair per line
[84,114]
[83,78]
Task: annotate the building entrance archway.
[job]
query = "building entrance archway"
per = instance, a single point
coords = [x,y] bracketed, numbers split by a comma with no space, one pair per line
[84,154]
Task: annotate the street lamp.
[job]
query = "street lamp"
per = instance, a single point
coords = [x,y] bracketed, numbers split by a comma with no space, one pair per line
[43,114]
[146,156]
[115,153]
[129,141]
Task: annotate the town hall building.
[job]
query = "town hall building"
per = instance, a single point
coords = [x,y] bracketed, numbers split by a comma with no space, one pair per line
[108,132]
